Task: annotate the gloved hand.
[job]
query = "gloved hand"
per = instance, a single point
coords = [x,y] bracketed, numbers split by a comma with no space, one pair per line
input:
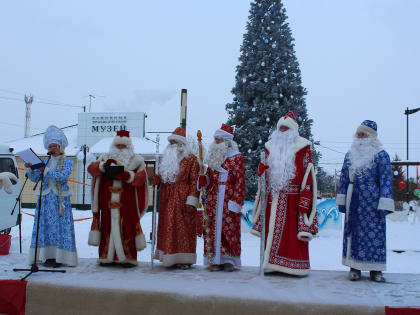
[190,209]
[110,161]
[123,176]
[156,180]
[342,209]
[202,181]
[261,169]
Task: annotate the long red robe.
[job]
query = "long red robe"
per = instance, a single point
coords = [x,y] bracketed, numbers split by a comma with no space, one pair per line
[225,198]
[177,239]
[117,207]
[290,217]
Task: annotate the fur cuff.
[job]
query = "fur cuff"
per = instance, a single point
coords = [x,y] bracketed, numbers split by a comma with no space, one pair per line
[234,207]
[386,204]
[140,242]
[101,166]
[340,200]
[304,236]
[130,180]
[94,237]
[192,201]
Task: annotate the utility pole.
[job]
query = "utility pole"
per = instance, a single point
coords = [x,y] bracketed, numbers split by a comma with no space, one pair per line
[90,102]
[28,101]
[409,112]
[183,123]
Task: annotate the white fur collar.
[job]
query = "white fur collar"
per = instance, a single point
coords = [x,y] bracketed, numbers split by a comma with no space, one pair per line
[135,162]
[231,152]
[300,143]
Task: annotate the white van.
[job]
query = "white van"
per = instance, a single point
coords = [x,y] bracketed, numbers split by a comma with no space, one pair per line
[7,201]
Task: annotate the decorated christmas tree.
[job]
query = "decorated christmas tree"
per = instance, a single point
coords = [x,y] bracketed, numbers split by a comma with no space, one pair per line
[268,85]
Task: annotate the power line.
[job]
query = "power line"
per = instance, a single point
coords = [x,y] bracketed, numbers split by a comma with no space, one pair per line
[41,102]
[330,149]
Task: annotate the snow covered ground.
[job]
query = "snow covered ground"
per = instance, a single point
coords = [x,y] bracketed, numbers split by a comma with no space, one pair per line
[325,250]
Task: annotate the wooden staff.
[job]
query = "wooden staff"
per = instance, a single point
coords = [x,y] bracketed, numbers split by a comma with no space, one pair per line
[206,233]
[263,205]
[155,202]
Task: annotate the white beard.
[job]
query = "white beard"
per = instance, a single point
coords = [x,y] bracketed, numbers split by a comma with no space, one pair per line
[121,156]
[172,157]
[281,159]
[362,153]
[217,154]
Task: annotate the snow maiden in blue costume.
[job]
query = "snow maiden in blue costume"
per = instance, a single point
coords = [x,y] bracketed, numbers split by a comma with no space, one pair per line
[56,243]
[366,197]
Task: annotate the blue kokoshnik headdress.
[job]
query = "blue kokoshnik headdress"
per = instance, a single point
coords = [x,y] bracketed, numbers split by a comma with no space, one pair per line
[55,135]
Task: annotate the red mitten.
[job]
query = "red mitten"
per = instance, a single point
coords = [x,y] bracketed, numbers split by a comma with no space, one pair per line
[202,181]
[156,180]
[123,176]
[261,169]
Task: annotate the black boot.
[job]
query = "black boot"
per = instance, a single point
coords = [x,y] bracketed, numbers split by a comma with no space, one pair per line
[377,276]
[354,274]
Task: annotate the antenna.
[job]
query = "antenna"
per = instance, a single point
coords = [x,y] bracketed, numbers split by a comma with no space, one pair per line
[28,101]
[90,100]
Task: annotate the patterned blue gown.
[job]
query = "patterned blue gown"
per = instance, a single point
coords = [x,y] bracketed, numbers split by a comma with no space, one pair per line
[364,240]
[56,231]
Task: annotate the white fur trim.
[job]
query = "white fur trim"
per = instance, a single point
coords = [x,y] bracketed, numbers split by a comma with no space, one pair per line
[219,133]
[177,138]
[135,162]
[169,260]
[367,130]
[290,271]
[94,238]
[192,201]
[121,140]
[304,236]
[61,256]
[102,166]
[310,169]
[131,178]
[300,143]
[140,242]
[234,207]
[115,237]
[95,202]
[386,204]
[287,122]
[5,179]
[352,263]
[340,200]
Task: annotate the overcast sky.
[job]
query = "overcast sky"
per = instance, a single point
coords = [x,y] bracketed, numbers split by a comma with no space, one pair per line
[359,60]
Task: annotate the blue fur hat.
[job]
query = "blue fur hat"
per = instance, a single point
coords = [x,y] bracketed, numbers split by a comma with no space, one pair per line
[369,127]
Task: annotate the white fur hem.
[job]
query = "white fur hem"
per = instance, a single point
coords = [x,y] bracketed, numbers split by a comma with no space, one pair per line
[386,204]
[304,236]
[192,201]
[60,255]
[234,207]
[140,242]
[290,271]
[108,261]
[169,260]
[363,265]
[236,261]
[130,180]
[340,200]
[94,238]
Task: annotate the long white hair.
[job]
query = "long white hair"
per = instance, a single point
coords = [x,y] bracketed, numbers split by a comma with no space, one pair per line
[363,151]
[281,160]
[171,158]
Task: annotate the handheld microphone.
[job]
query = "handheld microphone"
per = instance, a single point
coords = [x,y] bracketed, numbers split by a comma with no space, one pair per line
[49,153]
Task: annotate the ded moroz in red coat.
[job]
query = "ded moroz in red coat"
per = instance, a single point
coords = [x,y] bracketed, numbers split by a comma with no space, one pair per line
[290,217]
[117,206]
[225,198]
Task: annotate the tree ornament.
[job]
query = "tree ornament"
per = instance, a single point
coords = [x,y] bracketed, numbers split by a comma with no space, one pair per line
[249,150]
[266,41]
[274,45]
[401,184]
[265,80]
[253,109]
[267,119]
[260,141]
[263,64]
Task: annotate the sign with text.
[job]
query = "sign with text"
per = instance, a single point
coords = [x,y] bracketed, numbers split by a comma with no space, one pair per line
[92,127]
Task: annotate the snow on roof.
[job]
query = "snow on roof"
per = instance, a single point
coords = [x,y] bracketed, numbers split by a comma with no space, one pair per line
[36,142]
[143,146]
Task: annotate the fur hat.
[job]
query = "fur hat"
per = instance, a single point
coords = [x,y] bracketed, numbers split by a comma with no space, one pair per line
[369,127]
[225,132]
[122,137]
[54,134]
[288,120]
[178,135]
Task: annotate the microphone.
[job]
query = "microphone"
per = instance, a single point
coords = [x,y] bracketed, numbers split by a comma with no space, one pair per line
[49,153]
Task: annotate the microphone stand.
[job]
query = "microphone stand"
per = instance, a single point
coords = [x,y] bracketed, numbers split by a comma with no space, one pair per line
[34,268]
[20,213]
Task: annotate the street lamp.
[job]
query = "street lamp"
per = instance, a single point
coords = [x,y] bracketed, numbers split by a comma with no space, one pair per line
[409,112]
[85,157]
